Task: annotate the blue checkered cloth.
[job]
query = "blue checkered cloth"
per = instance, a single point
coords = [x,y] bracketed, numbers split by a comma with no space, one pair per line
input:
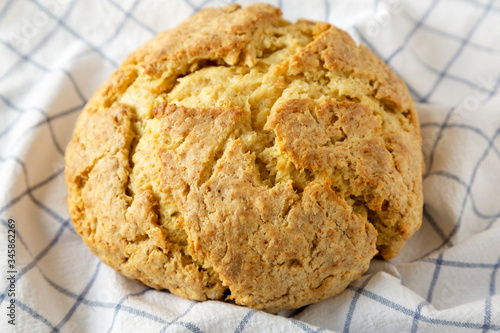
[55,53]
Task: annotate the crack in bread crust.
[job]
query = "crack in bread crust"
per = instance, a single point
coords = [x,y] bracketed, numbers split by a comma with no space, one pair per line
[242,157]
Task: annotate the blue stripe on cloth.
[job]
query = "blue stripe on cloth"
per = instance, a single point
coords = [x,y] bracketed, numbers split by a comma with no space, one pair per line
[457,54]
[448,35]
[494,91]
[200,6]
[30,188]
[466,127]
[25,58]
[303,326]
[438,138]
[244,321]
[36,315]
[5,8]
[481,5]
[416,317]
[435,277]
[74,33]
[28,57]
[352,306]
[459,264]
[40,255]
[29,192]
[191,306]
[415,28]
[47,120]
[115,34]
[78,299]
[470,84]
[95,304]
[192,327]
[457,225]
[433,223]
[487,306]
[120,303]
[139,23]
[327,10]
[462,183]
[493,220]
[410,313]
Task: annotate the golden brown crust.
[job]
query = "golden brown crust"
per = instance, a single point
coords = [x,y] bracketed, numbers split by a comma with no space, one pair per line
[241,157]
[272,248]
[224,35]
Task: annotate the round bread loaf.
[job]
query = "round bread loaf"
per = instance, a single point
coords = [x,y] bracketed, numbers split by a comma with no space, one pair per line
[240,157]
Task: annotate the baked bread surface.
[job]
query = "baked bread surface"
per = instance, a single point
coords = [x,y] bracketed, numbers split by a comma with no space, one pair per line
[240,157]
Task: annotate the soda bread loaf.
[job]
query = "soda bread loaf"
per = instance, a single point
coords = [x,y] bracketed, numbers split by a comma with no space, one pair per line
[240,157]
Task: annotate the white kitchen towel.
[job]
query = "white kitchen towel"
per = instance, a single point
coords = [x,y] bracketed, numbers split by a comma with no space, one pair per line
[55,53]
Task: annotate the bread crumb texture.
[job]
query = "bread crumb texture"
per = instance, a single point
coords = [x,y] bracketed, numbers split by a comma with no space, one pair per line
[239,157]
